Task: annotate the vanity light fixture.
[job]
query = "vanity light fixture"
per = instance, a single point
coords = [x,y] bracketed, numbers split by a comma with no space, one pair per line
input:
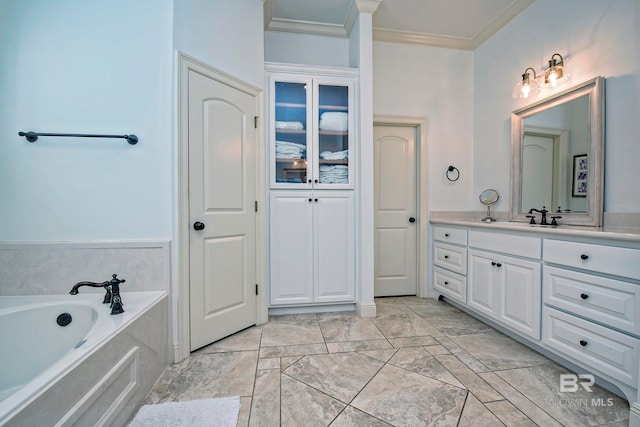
[556,74]
[527,86]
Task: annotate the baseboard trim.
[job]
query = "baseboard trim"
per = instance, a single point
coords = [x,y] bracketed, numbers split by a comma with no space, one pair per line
[368,310]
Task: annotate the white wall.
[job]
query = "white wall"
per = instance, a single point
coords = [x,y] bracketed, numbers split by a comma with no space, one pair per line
[306,49]
[74,66]
[227,34]
[435,83]
[596,38]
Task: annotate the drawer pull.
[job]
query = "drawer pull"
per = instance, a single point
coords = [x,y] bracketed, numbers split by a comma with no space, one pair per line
[584,296]
[583,343]
[584,257]
[446,257]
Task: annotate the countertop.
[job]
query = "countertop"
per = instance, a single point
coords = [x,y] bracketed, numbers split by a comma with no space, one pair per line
[607,233]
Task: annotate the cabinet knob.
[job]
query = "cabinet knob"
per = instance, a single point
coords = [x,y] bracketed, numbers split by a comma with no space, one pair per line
[315,200]
[446,283]
[584,296]
[315,180]
[584,257]
[583,343]
[412,220]
[493,263]
[498,265]
[446,234]
[198,226]
[310,199]
[309,181]
[446,257]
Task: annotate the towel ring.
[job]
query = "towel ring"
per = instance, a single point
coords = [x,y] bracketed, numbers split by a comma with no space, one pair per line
[452,176]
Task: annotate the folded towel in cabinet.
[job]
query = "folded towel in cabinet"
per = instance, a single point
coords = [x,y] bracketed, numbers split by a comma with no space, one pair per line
[334,174]
[333,120]
[290,150]
[334,155]
[289,125]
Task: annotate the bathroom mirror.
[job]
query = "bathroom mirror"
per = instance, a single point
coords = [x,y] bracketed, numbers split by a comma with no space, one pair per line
[557,156]
[489,197]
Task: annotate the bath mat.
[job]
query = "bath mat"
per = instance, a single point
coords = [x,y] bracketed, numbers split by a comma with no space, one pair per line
[220,412]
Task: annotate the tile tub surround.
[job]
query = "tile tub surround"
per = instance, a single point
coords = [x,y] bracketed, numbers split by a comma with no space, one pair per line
[54,267]
[413,364]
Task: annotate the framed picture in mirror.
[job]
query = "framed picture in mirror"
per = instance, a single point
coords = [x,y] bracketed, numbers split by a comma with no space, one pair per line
[580,173]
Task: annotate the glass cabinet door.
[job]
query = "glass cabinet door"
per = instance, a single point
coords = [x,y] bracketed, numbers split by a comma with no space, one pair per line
[333,129]
[311,131]
[290,123]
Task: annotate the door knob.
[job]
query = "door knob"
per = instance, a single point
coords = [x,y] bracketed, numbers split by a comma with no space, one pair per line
[198,226]
[412,220]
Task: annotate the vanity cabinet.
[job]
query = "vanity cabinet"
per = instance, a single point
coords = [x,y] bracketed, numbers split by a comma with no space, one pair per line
[505,288]
[573,293]
[450,262]
[592,306]
[312,247]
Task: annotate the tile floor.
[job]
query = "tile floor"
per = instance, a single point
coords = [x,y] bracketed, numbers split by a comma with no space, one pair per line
[420,362]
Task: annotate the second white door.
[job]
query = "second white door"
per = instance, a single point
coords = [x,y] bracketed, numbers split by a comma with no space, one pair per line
[222,192]
[395,202]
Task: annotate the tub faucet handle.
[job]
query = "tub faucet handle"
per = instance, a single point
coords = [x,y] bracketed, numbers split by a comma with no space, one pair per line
[116,299]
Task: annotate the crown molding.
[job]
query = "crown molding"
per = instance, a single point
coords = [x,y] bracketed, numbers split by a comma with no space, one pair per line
[387,35]
[384,35]
[367,6]
[503,19]
[305,27]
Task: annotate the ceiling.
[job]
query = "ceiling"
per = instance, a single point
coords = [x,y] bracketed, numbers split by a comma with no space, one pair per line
[459,24]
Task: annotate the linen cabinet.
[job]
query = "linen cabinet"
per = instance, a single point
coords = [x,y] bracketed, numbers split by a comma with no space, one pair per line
[312,152]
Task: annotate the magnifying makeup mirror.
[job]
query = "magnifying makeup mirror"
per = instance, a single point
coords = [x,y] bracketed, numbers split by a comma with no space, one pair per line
[489,197]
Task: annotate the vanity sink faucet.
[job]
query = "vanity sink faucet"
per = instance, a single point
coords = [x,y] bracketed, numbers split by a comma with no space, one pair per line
[113,292]
[543,212]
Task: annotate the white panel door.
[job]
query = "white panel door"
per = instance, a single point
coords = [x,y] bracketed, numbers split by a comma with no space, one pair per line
[520,295]
[395,211]
[334,246]
[222,191]
[291,247]
[481,289]
[537,172]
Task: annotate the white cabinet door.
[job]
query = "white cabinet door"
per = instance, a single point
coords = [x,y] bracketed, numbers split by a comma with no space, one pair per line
[311,247]
[506,289]
[519,295]
[334,246]
[291,248]
[481,288]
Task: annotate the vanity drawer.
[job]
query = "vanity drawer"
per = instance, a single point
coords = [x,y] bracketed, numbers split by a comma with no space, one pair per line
[611,302]
[450,284]
[603,259]
[450,234]
[523,246]
[610,352]
[451,257]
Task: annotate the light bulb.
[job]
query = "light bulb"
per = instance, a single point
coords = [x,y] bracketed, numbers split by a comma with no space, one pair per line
[553,78]
[526,89]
